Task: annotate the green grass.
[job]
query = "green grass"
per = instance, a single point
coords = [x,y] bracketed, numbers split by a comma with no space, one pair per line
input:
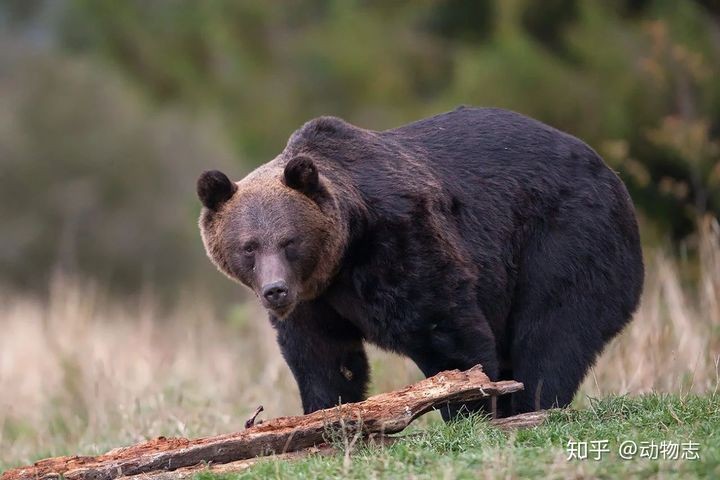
[473,449]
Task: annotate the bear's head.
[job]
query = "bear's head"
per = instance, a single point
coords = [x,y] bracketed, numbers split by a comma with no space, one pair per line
[276,231]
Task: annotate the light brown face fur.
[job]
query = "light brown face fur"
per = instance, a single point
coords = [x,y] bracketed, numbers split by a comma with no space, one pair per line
[274,239]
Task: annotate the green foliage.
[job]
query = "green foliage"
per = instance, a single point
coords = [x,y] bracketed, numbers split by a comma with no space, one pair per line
[637,79]
[613,72]
[469,20]
[93,180]
[546,21]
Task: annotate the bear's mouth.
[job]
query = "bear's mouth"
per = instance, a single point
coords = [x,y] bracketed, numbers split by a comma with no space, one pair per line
[279,310]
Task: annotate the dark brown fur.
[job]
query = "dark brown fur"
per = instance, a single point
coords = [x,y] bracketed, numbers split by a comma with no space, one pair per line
[476,236]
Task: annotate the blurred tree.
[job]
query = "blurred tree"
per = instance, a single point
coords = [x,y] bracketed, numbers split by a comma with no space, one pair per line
[679,148]
[20,11]
[713,6]
[547,21]
[468,20]
[93,182]
[641,87]
[634,8]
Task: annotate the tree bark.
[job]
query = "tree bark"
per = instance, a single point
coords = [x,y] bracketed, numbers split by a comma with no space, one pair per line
[382,414]
[523,420]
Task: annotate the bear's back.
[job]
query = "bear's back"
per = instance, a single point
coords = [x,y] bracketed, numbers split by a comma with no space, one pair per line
[493,141]
[485,159]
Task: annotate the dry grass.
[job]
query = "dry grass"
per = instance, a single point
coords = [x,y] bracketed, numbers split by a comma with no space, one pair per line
[673,343]
[80,373]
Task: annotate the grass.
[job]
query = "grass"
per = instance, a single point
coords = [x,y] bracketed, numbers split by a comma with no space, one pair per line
[81,373]
[473,449]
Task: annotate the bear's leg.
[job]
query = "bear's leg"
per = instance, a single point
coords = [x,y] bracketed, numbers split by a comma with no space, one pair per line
[571,299]
[460,344]
[551,362]
[325,354]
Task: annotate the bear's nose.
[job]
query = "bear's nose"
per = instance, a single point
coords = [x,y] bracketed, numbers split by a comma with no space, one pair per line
[275,293]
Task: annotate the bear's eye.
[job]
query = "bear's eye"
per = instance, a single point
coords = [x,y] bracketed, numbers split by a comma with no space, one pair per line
[290,249]
[249,248]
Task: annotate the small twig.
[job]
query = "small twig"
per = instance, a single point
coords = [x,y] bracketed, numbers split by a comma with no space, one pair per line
[250,422]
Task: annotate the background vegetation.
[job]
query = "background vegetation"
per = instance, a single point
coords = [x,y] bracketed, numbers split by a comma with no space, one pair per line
[115,327]
[110,109]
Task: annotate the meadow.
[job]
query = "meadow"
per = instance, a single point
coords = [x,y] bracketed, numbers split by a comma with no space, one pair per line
[81,373]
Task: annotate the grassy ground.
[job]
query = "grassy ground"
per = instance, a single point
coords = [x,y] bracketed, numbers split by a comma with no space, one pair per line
[474,449]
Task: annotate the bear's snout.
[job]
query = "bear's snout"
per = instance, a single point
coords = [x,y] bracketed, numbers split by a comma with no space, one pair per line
[274,284]
[276,294]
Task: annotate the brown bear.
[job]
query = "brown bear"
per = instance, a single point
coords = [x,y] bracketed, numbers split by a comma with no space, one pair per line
[475,236]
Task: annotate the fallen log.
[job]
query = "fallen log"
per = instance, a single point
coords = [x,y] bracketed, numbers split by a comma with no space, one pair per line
[523,420]
[241,465]
[382,414]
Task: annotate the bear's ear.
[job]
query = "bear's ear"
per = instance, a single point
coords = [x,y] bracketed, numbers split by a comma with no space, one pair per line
[302,175]
[214,188]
